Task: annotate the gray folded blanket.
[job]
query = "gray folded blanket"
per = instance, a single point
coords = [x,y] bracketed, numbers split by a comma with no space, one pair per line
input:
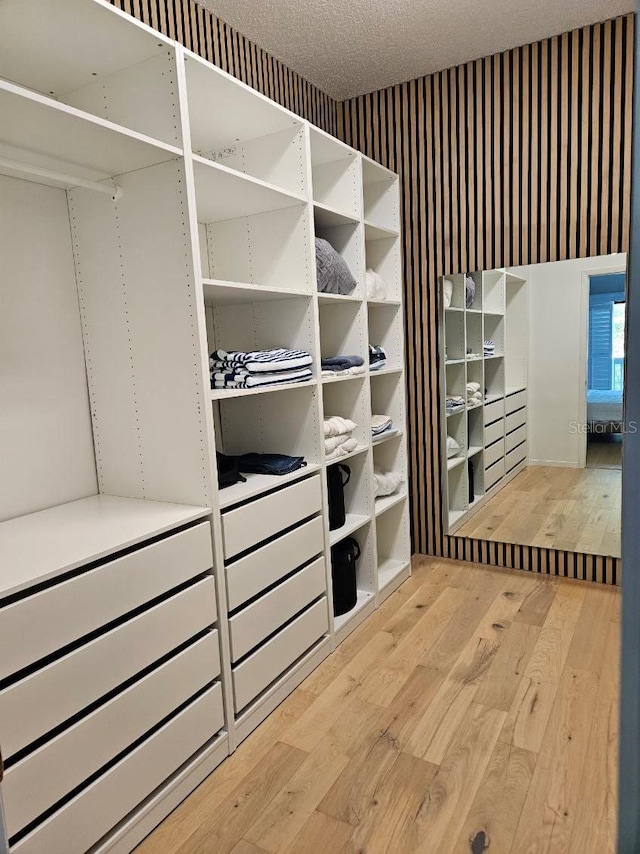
[333,274]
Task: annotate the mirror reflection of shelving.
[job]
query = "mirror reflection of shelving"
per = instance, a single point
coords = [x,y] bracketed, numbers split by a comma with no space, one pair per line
[484,349]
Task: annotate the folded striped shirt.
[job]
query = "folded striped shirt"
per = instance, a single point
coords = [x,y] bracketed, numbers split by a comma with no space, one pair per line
[243,379]
[260,361]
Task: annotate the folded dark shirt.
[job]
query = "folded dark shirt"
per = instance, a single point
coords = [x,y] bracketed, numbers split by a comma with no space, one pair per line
[342,363]
[268,463]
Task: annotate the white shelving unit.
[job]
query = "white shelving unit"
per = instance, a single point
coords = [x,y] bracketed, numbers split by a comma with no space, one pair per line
[152,619]
[492,436]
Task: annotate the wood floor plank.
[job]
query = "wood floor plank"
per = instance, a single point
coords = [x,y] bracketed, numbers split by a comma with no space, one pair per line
[493,818]
[506,741]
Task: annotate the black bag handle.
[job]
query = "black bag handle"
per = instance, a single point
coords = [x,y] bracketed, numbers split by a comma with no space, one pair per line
[356,546]
[345,470]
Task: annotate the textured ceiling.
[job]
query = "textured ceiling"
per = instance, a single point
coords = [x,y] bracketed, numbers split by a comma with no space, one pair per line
[349,47]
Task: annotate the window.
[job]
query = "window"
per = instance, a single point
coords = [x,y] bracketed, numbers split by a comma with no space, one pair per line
[606,333]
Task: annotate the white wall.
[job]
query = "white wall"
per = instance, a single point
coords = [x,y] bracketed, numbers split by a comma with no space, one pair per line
[558,303]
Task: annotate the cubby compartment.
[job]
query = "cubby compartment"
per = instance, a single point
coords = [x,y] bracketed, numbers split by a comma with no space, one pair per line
[516,343]
[454,337]
[384,258]
[475,374]
[343,330]
[387,398]
[385,329]
[475,430]
[283,422]
[83,55]
[380,193]
[475,475]
[457,294]
[477,302]
[235,126]
[475,338]
[335,172]
[458,494]
[457,430]
[391,457]
[346,239]
[392,543]
[365,574]
[358,498]
[493,292]
[349,400]
[494,379]
[494,331]
[270,252]
[455,380]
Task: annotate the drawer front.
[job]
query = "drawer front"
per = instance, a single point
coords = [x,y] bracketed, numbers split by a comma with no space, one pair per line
[265,566]
[516,438]
[264,666]
[39,625]
[492,475]
[66,686]
[516,456]
[252,523]
[268,613]
[493,411]
[515,401]
[79,824]
[493,432]
[515,420]
[42,778]
[494,453]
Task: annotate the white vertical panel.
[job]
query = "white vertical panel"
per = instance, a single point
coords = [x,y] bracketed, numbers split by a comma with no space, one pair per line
[46,447]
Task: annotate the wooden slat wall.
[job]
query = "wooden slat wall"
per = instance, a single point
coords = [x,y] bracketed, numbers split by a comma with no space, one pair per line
[197,29]
[517,158]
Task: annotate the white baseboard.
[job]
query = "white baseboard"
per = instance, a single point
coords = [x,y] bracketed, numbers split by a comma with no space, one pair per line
[555,463]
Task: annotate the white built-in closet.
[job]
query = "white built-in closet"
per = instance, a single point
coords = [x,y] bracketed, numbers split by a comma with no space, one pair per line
[152,208]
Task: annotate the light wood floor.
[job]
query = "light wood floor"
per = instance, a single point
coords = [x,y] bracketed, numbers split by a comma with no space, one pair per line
[606,455]
[576,510]
[475,711]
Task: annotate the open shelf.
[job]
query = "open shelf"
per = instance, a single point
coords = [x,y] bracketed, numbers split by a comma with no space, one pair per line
[387,438]
[222,193]
[385,329]
[335,178]
[379,187]
[390,569]
[352,523]
[343,330]
[328,217]
[349,400]
[335,299]
[473,450]
[372,231]
[343,378]
[364,597]
[452,462]
[359,450]
[384,258]
[388,501]
[43,545]
[230,393]
[346,238]
[258,484]
[217,292]
[40,132]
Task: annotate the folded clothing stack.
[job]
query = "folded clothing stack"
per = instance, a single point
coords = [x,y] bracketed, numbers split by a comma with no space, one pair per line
[259,368]
[377,357]
[489,348]
[343,366]
[386,482]
[454,403]
[474,395]
[231,468]
[376,286]
[382,425]
[338,438]
[471,355]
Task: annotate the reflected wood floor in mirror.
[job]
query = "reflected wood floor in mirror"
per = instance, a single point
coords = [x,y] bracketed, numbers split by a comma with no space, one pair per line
[476,710]
[571,509]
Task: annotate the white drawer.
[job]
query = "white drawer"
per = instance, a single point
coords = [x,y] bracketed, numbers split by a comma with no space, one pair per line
[515,401]
[265,566]
[264,616]
[515,420]
[493,432]
[47,621]
[493,411]
[265,665]
[66,686]
[80,823]
[39,780]
[252,523]
[494,453]
[492,475]
[514,457]
[516,438]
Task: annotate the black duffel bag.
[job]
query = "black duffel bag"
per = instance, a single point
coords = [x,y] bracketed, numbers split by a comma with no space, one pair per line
[338,476]
[344,558]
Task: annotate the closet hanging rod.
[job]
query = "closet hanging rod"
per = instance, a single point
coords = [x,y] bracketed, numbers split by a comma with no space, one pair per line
[107,187]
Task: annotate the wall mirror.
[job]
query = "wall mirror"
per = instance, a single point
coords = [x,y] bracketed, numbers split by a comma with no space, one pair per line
[532,390]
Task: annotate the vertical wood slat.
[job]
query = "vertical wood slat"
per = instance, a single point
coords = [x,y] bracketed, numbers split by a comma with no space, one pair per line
[514,159]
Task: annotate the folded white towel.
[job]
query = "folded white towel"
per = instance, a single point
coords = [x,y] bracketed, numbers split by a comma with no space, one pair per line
[334,442]
[386,482]
[453,447]
[345,448]
[335,425]
[354,370]
[473,387]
